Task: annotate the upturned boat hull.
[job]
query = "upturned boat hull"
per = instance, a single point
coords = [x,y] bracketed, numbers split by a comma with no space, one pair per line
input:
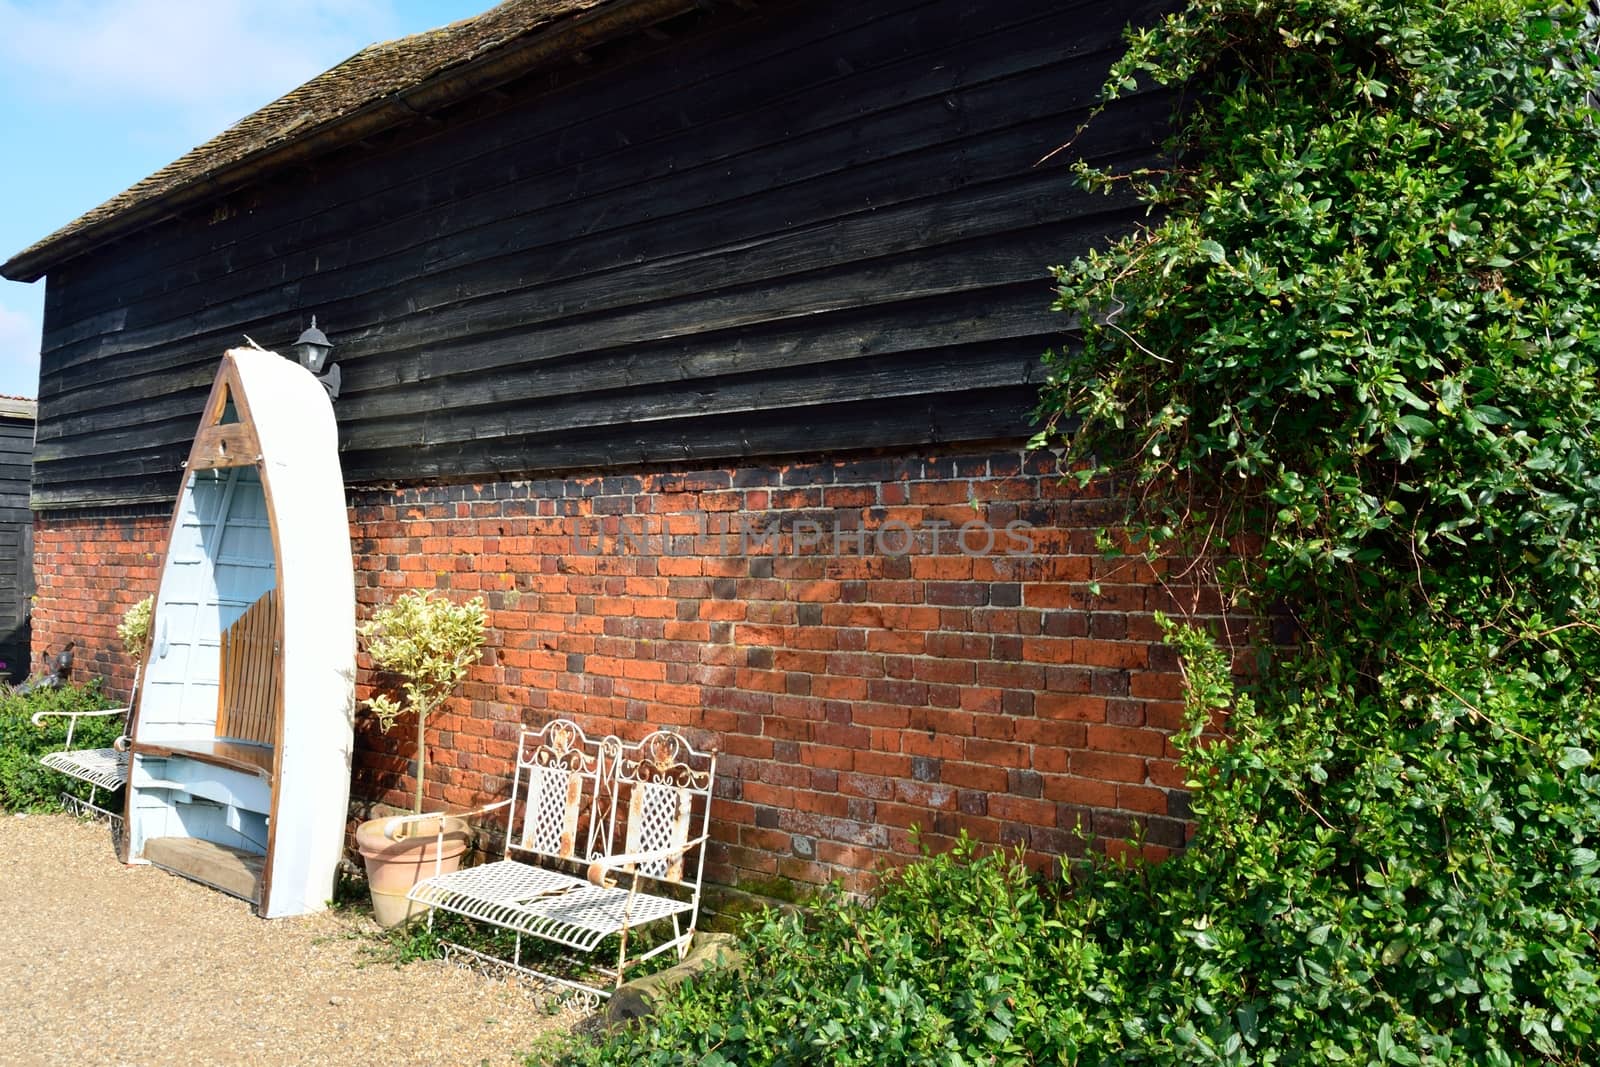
[241,728]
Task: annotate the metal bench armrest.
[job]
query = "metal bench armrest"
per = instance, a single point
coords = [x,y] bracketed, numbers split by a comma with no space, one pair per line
[38,717]
[392,826]
[72,718]
[597,869]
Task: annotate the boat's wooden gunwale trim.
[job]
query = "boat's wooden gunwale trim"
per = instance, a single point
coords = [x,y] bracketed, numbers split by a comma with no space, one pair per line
[259,760]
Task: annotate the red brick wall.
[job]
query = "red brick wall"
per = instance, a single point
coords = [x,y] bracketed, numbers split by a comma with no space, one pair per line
[855,686]
[89,567]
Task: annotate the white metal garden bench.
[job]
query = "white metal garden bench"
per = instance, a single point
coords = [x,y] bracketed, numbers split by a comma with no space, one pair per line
[100,768]
[563,779]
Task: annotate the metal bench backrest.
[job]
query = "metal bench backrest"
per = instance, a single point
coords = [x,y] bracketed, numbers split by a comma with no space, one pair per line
[559,773]
[661,777]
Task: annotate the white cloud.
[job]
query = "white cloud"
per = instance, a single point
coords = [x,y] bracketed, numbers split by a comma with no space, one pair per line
[19,352]
[204,63]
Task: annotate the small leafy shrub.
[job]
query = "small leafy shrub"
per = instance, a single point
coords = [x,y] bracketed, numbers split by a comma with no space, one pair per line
[953,961]
[26,786]
[429,643]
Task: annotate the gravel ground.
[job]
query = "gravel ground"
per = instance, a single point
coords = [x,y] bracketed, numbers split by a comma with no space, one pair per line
[131,965]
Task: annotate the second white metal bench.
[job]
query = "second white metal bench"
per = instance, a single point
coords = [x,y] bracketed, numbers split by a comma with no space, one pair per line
[656,791]
[99,768]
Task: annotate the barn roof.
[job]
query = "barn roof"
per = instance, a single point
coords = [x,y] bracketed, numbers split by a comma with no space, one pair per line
[381,86]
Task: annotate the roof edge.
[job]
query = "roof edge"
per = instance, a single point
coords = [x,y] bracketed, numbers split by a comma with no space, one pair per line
[587,29]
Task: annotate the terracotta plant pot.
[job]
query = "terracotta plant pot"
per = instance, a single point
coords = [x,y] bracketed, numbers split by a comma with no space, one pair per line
[394,866]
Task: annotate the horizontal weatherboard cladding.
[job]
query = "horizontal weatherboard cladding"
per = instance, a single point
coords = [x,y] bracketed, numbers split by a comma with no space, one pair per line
[16,545]
[816,225]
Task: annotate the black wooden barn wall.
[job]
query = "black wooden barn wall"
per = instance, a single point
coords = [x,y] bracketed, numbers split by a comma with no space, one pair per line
[812,226]
[16,543]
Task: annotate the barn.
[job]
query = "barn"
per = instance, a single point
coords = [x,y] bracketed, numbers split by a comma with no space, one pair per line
[16,535]
[702,339]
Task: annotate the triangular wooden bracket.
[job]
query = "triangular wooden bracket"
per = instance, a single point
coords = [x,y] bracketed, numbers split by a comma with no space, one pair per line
[225,444]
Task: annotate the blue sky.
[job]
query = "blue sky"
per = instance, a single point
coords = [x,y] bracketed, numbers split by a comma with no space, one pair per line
[97,94]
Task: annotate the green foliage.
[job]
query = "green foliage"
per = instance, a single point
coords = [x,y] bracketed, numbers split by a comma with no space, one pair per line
[26,786]
[1350,369]
[1353,369]
[1440,907]
[429,642]
[956,961]
[1363,330]
[1406,876]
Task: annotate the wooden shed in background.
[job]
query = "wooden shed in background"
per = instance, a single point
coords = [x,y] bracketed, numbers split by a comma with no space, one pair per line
[16,532]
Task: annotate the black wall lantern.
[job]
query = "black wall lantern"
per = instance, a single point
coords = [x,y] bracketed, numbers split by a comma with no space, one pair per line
[312,349]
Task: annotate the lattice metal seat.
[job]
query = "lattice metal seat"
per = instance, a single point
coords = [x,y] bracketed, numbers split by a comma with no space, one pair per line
[543,903]
[99,768]
[500,893]
[650,789]
[104,768]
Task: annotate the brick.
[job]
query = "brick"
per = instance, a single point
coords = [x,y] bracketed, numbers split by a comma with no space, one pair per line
[969,594]
[1025,783]
[1070,706]
[1167,774]
[1125,739]
[1110,654]
[1106,766]
[925,796]
[938,688]
[1141,798]
[974,776]
[1034,812]
[1071,791]
[998,753]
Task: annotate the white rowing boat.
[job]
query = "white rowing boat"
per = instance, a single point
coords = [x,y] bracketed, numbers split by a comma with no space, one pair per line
[241,726]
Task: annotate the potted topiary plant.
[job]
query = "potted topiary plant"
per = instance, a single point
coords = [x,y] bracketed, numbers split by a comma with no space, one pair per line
[428,643]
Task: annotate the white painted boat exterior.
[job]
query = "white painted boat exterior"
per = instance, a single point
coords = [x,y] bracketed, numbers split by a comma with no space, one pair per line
[272,518]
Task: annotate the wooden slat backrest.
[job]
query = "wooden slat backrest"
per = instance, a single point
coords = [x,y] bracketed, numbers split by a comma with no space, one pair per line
[247,699]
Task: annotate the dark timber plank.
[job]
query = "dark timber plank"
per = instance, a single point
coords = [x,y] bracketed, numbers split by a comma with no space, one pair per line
[711,304]
[991,363]
[878,422]
[955,416]
[458,273]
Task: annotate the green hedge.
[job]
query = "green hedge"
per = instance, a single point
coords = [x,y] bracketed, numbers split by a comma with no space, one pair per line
[26,786]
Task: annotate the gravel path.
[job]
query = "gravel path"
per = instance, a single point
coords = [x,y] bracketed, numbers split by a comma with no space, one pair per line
[130,965]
